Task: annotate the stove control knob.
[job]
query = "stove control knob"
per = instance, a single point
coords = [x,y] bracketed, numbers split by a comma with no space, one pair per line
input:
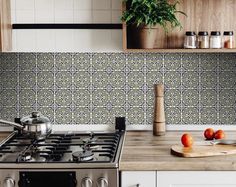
[87,182]
[102,182]
[9,182]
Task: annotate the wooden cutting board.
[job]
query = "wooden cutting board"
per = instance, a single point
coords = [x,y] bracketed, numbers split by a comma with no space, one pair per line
[203,150]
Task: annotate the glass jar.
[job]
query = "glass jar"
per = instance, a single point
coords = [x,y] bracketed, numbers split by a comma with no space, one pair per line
[203,40]
[190,40]
[215,40]
[228,41]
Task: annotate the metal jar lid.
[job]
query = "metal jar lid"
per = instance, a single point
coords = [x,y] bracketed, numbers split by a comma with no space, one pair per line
[34,118]
[215,33]
[228,33]
[202,33]
[190,33]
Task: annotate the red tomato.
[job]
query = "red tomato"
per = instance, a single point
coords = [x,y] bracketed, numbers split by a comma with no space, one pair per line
[209,134]
[219,134]
[187,140]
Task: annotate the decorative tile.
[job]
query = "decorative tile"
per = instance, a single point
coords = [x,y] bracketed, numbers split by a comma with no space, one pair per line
[209,62]
[63,61]
[190,115]
[63,79]
[100,98]
[45,97]
[154,62]
[154,77]
[135,62]
[150,97]
[27,97]
[135,98]
[63,115]
[99,79]
[208,116]
[100,115]
[100,61]
[150,113]
[227,98]
[135,116]
[115,112]
[82,115]
[82,80]
[47,112]
[8,79]
[190,79]
[190,62]
[82,61]
[9,113]
[26,111]
[117,97]
[82,98]
[27,61]
[117,62]
[45,61]
[227,62]
[208,98]
[27,79]
[227,79]
[172,62]
[45,79]
[8,98]
[227,115]
[117,79]
[172,79]
[190,98]
[135,80]
[209,79]
[173,115]
[63,98]
[172,97]
[9,61]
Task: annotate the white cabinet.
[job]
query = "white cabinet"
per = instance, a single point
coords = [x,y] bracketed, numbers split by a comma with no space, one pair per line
[196,179]
[138,179]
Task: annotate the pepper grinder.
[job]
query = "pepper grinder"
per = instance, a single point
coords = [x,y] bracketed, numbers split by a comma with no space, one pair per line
[159,124]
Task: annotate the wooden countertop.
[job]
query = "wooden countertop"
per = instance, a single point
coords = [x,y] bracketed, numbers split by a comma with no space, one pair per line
[3,135]
[143,151]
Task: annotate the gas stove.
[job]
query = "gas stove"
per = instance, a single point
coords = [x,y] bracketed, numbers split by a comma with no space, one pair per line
[62,159]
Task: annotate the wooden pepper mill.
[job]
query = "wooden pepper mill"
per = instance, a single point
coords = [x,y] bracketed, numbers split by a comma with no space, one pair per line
[159,124]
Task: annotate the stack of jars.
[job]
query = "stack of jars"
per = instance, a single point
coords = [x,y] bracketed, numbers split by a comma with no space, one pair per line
[203,41]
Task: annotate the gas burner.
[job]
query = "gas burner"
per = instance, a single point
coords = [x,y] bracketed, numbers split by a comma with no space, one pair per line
[26,157]
[81,156]
[91,139]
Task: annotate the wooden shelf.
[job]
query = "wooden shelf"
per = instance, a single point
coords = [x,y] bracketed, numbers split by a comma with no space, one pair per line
[202,15]
[181,50]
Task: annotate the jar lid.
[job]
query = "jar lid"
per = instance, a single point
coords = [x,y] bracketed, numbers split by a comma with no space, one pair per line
[190,33]
[229,33]
[203,33]
[215,33]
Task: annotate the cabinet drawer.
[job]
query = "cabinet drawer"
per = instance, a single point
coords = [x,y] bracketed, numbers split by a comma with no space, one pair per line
[138,179]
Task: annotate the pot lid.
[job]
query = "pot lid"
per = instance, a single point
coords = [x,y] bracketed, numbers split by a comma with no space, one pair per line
[34,118]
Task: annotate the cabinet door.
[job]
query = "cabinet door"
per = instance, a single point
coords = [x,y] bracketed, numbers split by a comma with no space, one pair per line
[196,179]
[138,179]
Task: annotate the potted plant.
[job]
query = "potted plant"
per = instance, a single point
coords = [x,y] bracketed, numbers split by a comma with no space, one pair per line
[144,17]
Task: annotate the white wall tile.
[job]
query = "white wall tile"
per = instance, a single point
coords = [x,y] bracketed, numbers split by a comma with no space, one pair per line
[116,4]
[83,16]
[83,40]
[116,15]
[64,16]
[13,4]
[101,4]
[82,4]
[14,42]
[116,40]
[64,4]
[25,16]
[64,40]
[101,40]
[44,4]
[45,40]
[102,16]
[44,16]
[13,16]
[26,40]
[24,4]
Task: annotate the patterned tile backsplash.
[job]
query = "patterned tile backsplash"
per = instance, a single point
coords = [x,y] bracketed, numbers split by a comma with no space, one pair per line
[93,88]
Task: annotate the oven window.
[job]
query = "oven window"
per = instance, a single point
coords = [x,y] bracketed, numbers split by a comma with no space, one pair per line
[47,179]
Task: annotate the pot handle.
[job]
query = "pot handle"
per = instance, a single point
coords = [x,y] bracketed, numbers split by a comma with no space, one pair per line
[12,124]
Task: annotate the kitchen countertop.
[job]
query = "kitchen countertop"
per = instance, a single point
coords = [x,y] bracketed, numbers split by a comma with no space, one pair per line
[143,151]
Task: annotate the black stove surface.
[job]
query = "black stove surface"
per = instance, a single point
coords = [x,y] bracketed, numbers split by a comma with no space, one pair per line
[62,148]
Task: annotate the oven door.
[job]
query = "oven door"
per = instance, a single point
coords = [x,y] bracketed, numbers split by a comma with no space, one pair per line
[47,179]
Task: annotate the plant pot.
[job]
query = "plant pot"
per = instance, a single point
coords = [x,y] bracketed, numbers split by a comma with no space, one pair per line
[144,37]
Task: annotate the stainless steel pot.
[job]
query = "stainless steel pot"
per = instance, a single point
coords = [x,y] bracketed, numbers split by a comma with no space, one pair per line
[34,126]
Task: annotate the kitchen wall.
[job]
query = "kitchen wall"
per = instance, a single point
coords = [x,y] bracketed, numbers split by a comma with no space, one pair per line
[93,88]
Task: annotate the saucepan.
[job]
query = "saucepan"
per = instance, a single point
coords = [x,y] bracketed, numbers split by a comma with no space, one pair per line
[34,126]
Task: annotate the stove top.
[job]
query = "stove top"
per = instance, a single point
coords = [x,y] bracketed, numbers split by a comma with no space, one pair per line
[66,147]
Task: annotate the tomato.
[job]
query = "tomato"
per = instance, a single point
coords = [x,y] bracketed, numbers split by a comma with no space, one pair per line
[219,134]
[209,134]
[187,140]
